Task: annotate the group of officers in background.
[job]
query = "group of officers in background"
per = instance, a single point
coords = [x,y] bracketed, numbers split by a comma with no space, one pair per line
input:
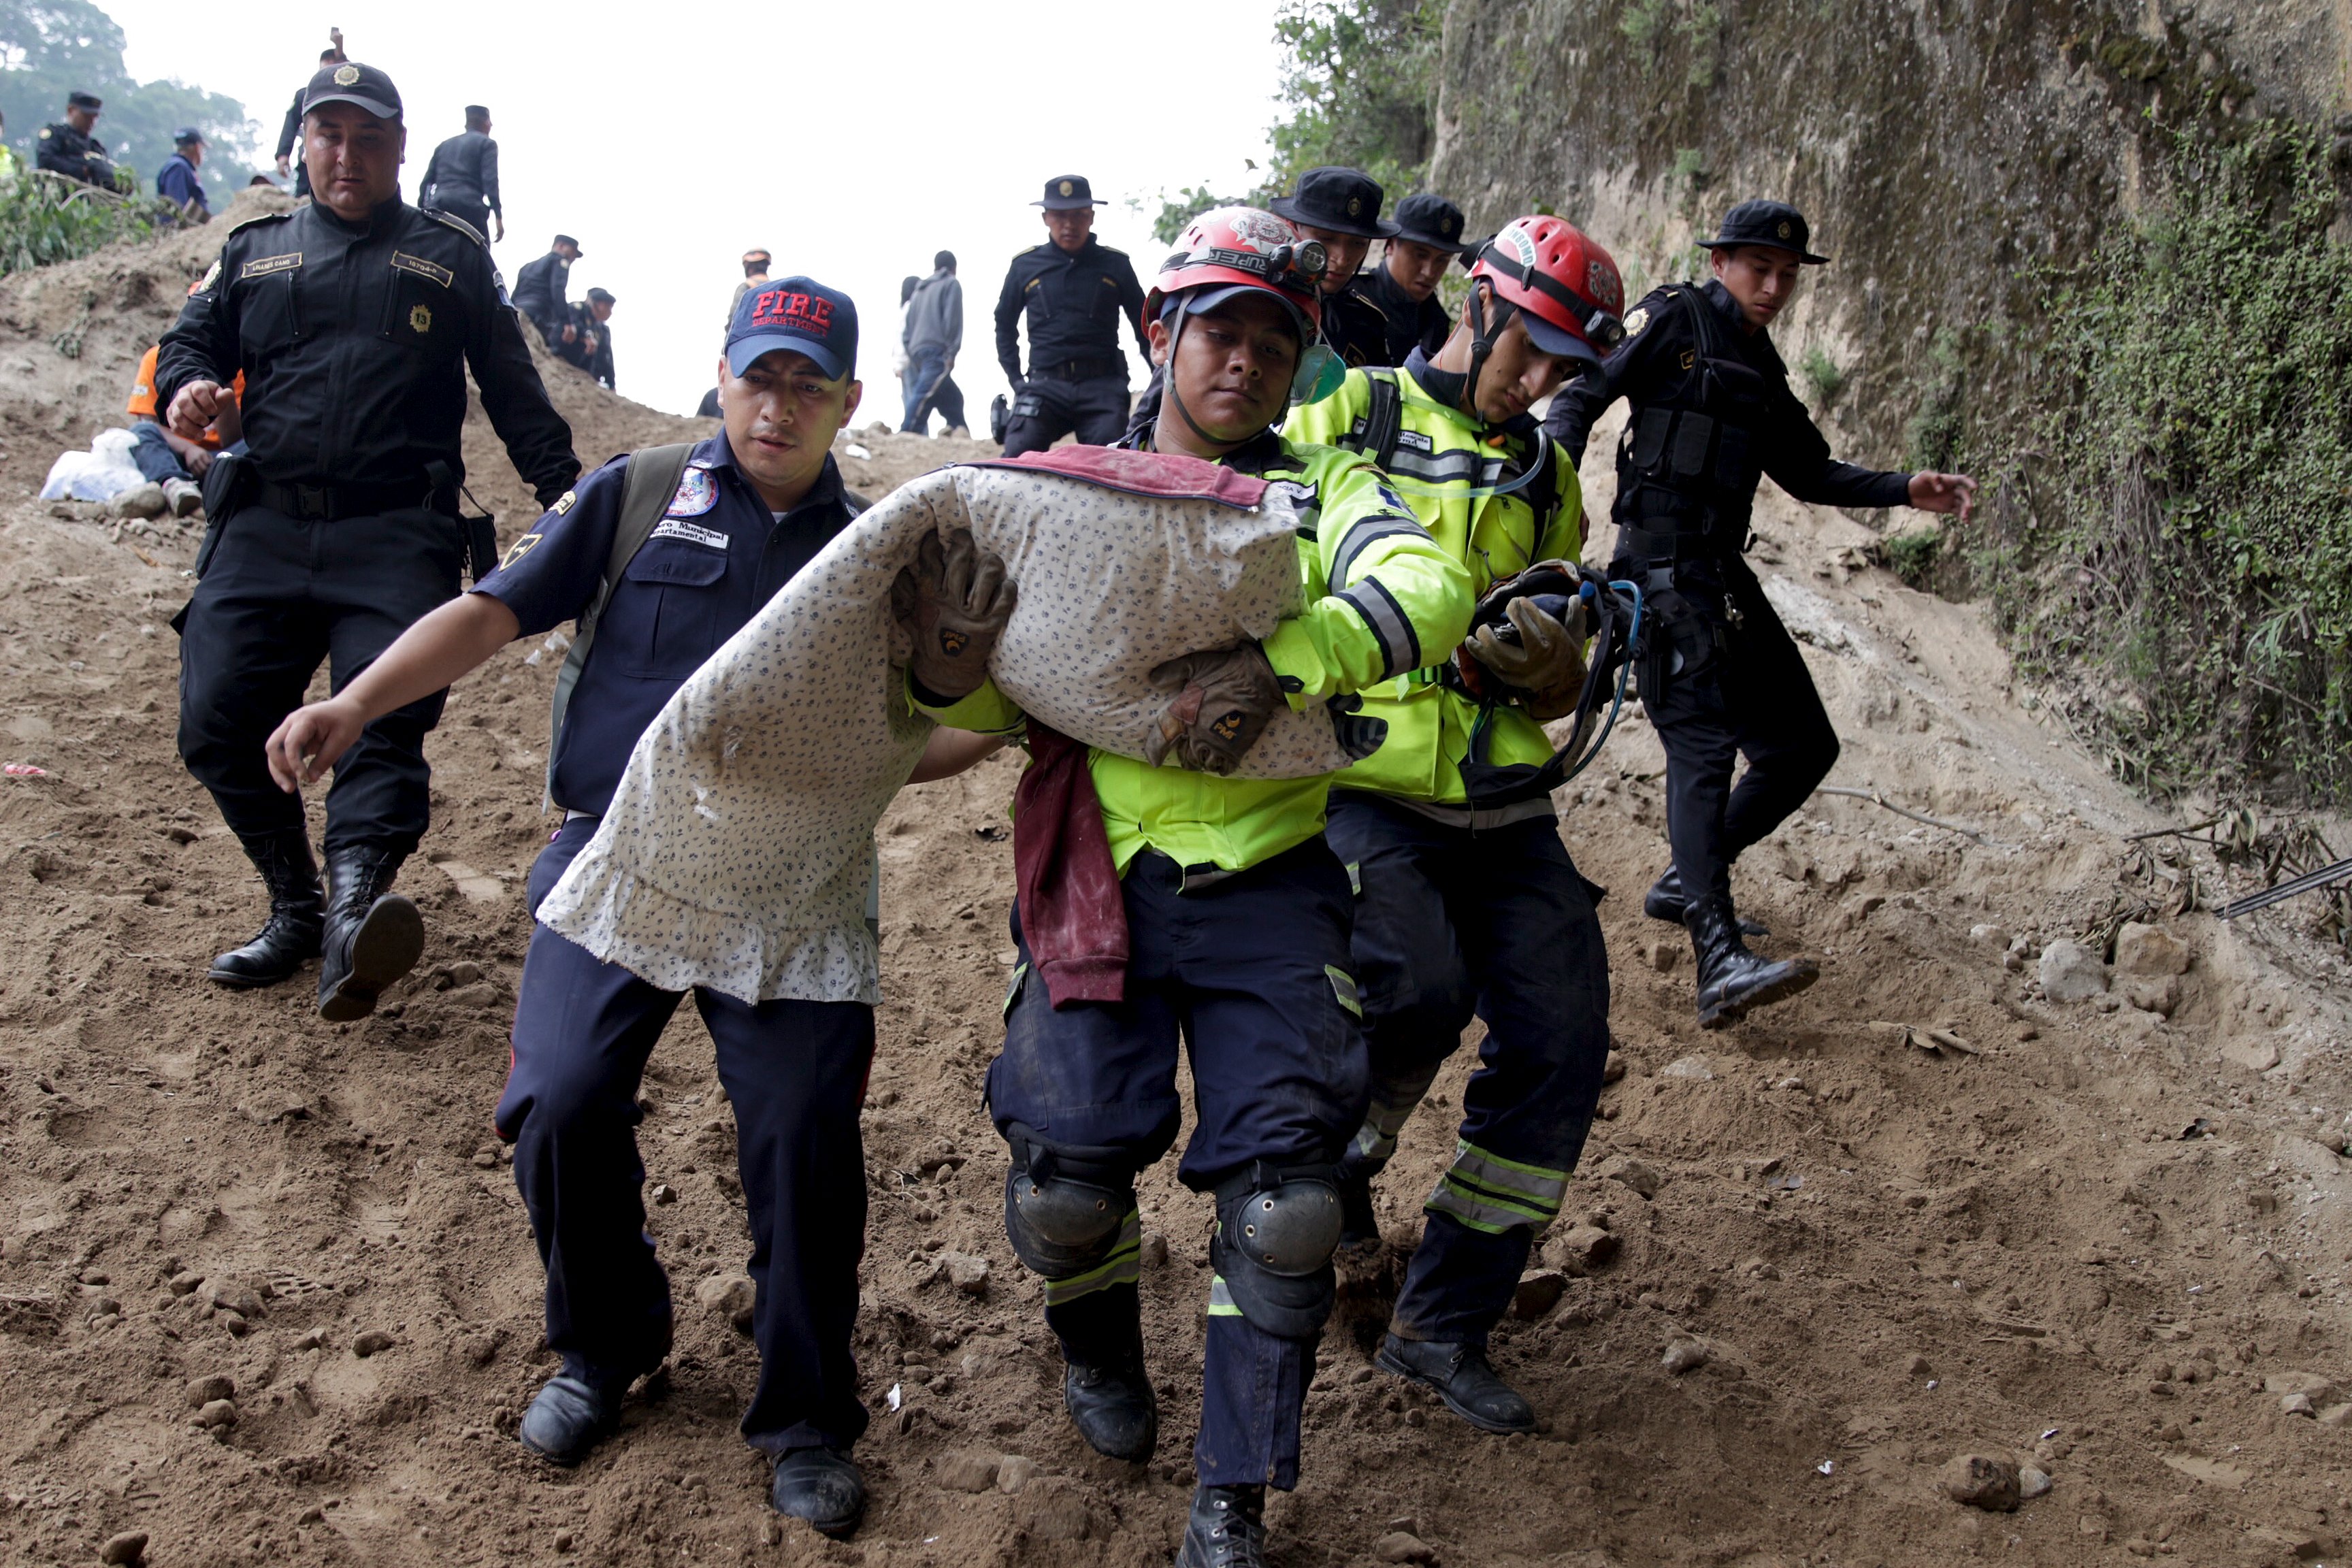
[1320,945]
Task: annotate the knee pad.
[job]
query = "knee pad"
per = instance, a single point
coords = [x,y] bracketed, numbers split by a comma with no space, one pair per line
[1063,1226]
[1273,1250]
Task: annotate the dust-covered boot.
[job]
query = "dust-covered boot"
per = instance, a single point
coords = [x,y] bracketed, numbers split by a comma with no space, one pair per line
[297,914]
[1464,1378]
[374,936]
[1104,1385]
[1227,1528]
[1732,980]
[1664,901]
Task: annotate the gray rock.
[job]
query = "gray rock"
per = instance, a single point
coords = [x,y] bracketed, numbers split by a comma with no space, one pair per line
[370,1341]
[1632,1174]
[127,1549]
[965,1272]
[729,1295]
[1580,1249]
[1981,1482]
[968,1471]
[2149,950]
[217,1412]
[139,500]
[1014,1471]
[1684,1355]
[203,1391]
[2033,1481]
[1401,1546]
[2072,973]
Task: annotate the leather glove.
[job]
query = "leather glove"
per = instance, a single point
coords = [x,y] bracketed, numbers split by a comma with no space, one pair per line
[1219,703]
[1546,661]
[952,603]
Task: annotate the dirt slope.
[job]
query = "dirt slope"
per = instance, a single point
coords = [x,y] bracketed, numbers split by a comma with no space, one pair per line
[1890,1256]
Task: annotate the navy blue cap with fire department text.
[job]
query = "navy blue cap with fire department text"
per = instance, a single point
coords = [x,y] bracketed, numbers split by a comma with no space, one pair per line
[796,313]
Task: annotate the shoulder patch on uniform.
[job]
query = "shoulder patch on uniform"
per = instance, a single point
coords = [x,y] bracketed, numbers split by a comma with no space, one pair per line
[404,262]
[524,546]
[453,221]
[697,492]
[565,502]
[1635,320]
[263,266]
[258,219]
[211,276]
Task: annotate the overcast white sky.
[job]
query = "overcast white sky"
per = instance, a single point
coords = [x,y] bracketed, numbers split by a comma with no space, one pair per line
[852,141]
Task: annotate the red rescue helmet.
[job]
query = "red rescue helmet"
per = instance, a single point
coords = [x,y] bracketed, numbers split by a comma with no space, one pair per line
[1566,287]
[1230,248]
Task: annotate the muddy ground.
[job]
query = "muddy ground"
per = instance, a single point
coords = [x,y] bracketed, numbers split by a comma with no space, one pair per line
[1885,1255]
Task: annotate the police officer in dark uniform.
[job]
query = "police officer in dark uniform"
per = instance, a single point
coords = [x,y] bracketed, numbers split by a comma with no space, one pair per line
[1403,287]
[353,321]
[1711,412]
[1076,292]
[661,556]
[462,179]
[589,343]
[289,133]
[1341,208]
[542,291]
[68,148]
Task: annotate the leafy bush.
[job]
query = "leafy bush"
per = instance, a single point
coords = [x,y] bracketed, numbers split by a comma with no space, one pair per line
[1360,87]
[44,219]
[1823,375]
[1913,557]
[2173,525]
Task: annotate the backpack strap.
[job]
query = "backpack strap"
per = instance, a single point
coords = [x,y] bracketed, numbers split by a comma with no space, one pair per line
[645,493]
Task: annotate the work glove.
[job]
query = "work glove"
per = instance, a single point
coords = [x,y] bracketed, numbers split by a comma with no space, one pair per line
[1545,661]
[952,603]
[1219,703]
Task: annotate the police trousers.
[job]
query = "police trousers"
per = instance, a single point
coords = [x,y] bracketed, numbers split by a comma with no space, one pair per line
[279,595]
[1251,972]
[1499,924]
[1046,410]
[1755,698]
[795,1075]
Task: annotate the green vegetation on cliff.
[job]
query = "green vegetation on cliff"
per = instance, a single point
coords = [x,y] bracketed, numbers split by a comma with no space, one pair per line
[2173,525]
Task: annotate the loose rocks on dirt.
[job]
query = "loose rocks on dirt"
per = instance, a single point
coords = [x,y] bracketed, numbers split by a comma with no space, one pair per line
[730,1295]
[1981,1482]
[969,1471]
[2072,973]
[1399,1547]
[129,1549]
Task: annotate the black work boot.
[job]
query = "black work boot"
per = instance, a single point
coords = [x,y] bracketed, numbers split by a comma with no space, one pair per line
[297,913]
[820,1486]
[1732,980]
[569,1416]
[1358,1227]
[1227,1528]
[1464,1378]
[1664,901]
[1104,1386]
[374,936]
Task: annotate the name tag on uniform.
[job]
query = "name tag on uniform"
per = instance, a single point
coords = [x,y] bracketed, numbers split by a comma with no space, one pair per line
[404,262]
[262,266]
[692,532]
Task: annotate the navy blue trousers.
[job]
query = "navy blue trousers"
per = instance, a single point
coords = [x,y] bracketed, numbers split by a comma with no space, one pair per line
[1756,699]
[281,594]
[1251,972]
[1046,410]
[795,1075]
[1498,924]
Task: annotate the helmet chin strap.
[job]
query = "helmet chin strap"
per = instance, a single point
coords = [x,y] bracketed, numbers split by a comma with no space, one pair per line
[1483,339]
[1175,402]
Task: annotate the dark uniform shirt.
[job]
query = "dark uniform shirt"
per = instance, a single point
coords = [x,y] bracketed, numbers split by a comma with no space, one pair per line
[289,142]
[539,289]
[463,177]
[718,555]
[62,150]
[178,183]
[1410,324]
[598,362]
[354,340]
[1075,300]
[1661,362]
[1357,330]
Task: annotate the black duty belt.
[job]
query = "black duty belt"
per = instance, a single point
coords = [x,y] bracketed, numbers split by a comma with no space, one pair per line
[1080,369]
[1636,543]
[332,503]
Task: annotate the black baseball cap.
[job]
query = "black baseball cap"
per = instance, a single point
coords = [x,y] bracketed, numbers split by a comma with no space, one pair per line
[800,314]
[363,87]
[1066,193]
[185,134]
[89,100]
[1776,225]
[567,239]
[1430,220]
[1340,200]
[600,296]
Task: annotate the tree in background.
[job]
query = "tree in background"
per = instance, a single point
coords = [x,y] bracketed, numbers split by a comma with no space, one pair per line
[1358,88]
[51,47]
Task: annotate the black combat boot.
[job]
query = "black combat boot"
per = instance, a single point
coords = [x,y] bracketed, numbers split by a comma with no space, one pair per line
[1105,1389]
[374,936]
[296,915]
[1732,980]
[822,1485]
[1664,901]
[571,1416]
[1227,1528]
[1464,1378]
[1359,1225]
